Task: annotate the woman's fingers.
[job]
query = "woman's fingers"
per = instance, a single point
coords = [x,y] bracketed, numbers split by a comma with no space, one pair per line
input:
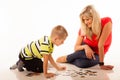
[93,56]
[90,56]
[107,67]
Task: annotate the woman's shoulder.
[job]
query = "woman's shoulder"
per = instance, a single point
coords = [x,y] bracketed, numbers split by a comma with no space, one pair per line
[105,20]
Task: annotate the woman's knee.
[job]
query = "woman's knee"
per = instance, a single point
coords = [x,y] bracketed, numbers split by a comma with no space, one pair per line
[83,63]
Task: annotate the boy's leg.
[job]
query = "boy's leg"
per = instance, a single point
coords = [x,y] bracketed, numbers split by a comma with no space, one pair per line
[20,65]
[35,65]
[38,65]
[13,67]
[32,74]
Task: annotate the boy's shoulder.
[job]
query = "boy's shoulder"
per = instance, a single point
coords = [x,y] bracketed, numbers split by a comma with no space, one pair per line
[45,39]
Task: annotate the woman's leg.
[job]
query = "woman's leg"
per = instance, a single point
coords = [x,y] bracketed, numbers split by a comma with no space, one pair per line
[72,57]
[76,55]
[61,59]
[79,59]
[85,63]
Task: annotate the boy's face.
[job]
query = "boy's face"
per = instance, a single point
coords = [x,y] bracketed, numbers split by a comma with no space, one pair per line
[58,41]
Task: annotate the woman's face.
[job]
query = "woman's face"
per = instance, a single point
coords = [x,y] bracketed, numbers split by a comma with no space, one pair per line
[87,21]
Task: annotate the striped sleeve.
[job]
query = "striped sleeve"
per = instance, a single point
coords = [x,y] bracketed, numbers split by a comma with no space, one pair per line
[44,46]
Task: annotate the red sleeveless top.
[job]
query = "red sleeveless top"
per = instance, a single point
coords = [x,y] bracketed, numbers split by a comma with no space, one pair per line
[94,43]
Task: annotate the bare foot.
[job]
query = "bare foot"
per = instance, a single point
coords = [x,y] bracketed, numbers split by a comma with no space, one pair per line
[61,59]
[32,74]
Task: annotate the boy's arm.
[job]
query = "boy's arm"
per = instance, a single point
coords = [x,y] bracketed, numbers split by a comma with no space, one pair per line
[53,62]
[45,66]
[45,63]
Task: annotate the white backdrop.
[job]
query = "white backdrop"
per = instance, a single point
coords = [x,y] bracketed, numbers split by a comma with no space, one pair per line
[23,21]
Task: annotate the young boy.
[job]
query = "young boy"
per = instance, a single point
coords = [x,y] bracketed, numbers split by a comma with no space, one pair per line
[30,56]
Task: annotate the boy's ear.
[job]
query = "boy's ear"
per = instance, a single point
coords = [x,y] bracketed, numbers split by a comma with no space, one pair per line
[56,37]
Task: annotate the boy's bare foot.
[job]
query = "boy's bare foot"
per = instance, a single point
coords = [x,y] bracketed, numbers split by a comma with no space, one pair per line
[62,59]
[32,74]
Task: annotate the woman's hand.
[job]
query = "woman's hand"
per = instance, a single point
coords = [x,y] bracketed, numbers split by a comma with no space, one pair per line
[107,67]
[89,52]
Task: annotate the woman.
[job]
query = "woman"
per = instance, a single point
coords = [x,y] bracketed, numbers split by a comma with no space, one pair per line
[93,42]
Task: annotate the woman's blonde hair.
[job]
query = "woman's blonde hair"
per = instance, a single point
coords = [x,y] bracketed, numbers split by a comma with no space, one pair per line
[59,31]
[90,12]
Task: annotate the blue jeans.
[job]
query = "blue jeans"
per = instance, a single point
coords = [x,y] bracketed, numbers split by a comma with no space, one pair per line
[79,59]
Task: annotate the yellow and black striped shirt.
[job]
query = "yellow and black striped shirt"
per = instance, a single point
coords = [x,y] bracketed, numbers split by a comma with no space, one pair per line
[38,48]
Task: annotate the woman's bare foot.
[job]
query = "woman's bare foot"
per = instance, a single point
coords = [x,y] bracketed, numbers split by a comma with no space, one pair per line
[62,59]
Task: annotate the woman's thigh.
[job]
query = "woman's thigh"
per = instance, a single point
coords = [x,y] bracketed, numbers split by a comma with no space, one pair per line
[76,55]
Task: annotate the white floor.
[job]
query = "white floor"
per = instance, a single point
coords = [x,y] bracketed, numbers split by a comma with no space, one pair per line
[71,73]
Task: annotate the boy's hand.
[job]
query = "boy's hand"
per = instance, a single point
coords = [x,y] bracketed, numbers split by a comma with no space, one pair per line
[61,68]
[49,75]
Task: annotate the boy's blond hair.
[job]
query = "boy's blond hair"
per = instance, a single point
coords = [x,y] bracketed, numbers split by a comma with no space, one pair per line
[59,31]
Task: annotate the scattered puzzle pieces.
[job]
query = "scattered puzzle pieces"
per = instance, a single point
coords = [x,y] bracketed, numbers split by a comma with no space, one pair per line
[74,73]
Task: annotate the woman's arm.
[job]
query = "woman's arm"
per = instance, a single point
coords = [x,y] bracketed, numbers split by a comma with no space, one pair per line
[104,35]
[88,51]
[78,43]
